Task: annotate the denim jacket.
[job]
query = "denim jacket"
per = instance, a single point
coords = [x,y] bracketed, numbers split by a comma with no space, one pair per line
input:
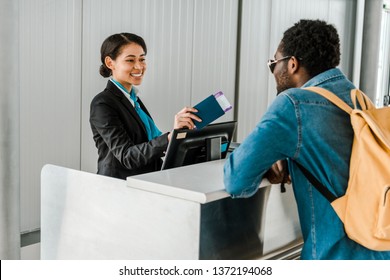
[304,127]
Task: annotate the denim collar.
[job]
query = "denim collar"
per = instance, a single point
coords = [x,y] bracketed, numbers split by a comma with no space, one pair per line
[326,76]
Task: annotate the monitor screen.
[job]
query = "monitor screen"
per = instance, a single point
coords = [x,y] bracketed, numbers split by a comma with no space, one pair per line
[199,145]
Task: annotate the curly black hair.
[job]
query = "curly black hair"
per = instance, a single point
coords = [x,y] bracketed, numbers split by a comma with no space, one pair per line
[315,43]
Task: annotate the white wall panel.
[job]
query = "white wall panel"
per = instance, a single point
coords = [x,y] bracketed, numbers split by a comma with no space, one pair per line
[50,72]
[10,131]
[254,74]
[214,50]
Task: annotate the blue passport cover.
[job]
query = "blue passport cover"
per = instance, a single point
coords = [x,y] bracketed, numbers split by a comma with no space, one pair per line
[208,110]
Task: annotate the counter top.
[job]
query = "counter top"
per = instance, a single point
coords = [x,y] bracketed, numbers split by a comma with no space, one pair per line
[201,182]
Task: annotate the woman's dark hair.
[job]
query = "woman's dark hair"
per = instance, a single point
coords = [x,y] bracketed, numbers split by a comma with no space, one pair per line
[112,47]
[315,43]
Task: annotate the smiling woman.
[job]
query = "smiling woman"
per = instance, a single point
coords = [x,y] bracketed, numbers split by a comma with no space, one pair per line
[127,139]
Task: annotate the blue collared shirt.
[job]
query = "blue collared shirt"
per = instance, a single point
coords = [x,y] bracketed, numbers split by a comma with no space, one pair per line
[152,130]
[303,126]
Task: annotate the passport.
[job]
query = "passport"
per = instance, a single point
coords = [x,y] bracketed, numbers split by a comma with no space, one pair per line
[211,108]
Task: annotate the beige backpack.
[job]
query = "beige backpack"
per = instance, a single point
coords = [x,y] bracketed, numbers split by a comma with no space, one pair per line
[365,207]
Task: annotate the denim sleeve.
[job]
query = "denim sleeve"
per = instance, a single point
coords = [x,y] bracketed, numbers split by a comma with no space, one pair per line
[275,137]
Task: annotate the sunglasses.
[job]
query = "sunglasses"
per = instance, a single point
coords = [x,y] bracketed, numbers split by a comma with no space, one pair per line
[272,62]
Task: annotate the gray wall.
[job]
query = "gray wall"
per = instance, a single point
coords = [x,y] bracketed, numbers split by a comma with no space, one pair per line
[196,47]
[9,132]
[50,95]
[370,47]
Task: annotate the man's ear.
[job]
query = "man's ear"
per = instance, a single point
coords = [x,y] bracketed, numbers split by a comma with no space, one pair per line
[293,65]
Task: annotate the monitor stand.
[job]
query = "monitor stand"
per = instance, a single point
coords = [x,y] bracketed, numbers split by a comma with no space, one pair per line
[213,146]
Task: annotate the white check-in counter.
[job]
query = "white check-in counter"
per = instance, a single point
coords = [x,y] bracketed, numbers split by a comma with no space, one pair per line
[181,213]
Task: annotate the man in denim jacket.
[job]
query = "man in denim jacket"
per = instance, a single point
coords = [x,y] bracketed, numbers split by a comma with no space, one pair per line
[302,126]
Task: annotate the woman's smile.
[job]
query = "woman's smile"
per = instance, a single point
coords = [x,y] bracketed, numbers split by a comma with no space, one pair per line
[137,75]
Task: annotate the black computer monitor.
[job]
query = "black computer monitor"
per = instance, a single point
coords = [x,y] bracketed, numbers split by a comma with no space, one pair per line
[190,146]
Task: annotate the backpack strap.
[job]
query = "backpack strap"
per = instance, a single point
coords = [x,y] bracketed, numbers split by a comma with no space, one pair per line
[320,187]
[356,94]
[332,98]
[364,101]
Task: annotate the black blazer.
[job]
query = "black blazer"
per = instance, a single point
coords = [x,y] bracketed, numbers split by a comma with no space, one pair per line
[120,136]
